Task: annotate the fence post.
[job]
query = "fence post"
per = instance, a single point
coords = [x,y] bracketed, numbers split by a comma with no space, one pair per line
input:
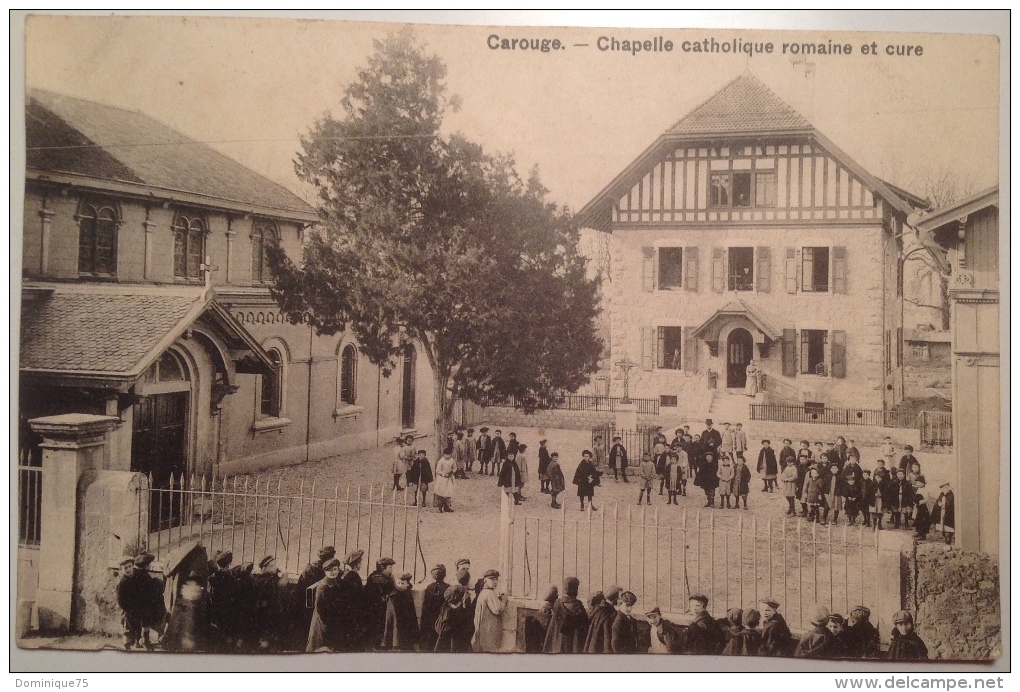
[506,525]
[72,444]
[889,580]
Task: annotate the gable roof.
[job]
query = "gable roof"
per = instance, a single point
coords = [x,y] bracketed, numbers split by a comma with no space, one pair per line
[103,143]
[709,329]
[108,336]
[744,107]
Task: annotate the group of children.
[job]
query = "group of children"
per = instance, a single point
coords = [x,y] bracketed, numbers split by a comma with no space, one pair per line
[563,625]
[831,481]
[495,456]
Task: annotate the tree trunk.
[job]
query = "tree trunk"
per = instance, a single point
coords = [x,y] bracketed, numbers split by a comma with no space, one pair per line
[944,305]
[442,421]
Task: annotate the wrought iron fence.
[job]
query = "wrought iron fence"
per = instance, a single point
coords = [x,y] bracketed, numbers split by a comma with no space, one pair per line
[936,427]
[252,518]
[29,505]
[583,402]
[664,558]
[636,442]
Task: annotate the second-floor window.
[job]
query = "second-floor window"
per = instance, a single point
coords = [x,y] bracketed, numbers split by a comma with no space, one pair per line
[671,263]
[815,269]
[263,235]
[812,352]
[742,189]
[668,348]
[97,238]
[270,388]
[189,245]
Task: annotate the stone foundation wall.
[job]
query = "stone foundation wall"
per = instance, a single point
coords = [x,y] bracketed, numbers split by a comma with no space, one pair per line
[956,600]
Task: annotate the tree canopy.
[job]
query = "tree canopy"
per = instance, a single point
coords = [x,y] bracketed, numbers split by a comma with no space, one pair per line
[425,238]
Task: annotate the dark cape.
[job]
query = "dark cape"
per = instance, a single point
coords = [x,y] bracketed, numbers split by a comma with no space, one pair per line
[568,627]
[454,629]
[326,629]
[600,629]
[815,644]
[704,636]
[673,636]
[861,640]
[907,647]
[746,642]
[431,606]
[586,477]
[400,631]
[623,638]
[776,639]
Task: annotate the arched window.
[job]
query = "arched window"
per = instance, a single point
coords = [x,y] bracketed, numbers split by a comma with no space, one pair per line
[349,375]
[263,235]
[97,238]
[271,387]
[189,245]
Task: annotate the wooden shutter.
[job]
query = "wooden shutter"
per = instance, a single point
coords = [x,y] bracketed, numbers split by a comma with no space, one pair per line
[839,278]
[791,270]
[764,269]
[839,353]
[691,268]
[647,348]
[718,270]
[690,353]
[789,353]
[648,269]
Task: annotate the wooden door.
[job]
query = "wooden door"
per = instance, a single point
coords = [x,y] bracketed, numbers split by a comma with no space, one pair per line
[739,350]
[159,450]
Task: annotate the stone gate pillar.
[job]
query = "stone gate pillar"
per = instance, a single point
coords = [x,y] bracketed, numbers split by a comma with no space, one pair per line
[72,444]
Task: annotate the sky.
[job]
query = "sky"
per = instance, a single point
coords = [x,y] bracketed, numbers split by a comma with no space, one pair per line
[251,86]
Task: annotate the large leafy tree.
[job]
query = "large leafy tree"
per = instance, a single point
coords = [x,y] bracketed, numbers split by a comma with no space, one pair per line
[427,239]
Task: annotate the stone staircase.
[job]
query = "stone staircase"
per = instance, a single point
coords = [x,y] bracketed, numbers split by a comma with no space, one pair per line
[729,408]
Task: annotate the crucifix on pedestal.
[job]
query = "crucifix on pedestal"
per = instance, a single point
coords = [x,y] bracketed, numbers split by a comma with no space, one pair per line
[626,365]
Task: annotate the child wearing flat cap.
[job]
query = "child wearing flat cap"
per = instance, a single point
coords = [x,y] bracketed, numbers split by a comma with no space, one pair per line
[400,632]
[140,597]
[905,644]
[623,637]
[704,636]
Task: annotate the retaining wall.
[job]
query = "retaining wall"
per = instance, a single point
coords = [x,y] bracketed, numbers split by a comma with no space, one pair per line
[956,600]
[555,418]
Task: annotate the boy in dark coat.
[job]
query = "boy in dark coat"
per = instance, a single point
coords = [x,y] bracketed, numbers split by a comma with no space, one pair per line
[922,515]
[870,498]
[140,596]
[569,624]
[484,450]
[707,478]
[776,639]
[420,475]
[742,481]
[536,627]
[704,636]
[222,602]
[836,626]
[732,624]
[851,499]
[768,467]
[618,458]
[432,604]
[509,479]
[787,455]
[905,644]
[623,634]
[600,627]
[326,631]
[746,642]
[455,625]
[907,459]
[818,642]
[543,465]
[557,483]
[498,453]
[268,610]
[400,632]
[586,477]
[860,637]
[377,589]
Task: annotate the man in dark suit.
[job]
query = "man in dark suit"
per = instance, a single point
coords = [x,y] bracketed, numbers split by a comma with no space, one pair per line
[711,439]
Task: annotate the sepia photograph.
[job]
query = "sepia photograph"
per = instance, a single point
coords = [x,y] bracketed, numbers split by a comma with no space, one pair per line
[358,338]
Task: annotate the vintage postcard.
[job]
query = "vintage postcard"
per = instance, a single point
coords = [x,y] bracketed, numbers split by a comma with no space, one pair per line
[356,338]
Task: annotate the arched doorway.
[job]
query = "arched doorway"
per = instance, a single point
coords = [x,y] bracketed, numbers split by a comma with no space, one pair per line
[739,352]
[160,433]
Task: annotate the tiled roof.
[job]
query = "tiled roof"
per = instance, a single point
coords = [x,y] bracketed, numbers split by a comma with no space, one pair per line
[95,332]
[743,105]
[71,135]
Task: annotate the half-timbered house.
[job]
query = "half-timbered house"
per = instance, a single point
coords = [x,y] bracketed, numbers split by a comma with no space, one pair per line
[743,232]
